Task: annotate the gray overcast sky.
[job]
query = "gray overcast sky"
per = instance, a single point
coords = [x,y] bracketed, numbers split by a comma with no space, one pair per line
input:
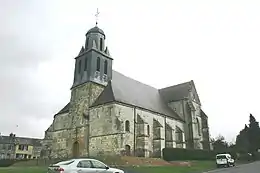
[160,43]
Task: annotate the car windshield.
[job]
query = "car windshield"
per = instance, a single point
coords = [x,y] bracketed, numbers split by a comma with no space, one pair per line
[68,162]
[221,157]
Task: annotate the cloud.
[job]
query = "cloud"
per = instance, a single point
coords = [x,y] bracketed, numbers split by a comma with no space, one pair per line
[24,45]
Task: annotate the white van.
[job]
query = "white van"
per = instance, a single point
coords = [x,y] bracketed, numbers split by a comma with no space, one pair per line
[224,160]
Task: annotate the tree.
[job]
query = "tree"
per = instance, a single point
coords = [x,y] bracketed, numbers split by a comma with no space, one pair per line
[242,142]
[248,139]
[219,144]
[253,134]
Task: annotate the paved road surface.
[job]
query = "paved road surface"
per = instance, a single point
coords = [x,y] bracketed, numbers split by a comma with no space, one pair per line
[246,168]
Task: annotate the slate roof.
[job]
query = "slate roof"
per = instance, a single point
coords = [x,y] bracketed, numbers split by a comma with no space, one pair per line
[65,109]
[96,30]
[203,114]
[20,140]
[179,92]
[6,140]
[129,91]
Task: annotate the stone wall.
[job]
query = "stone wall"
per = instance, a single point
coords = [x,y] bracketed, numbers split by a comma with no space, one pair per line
[183,109]
[109,134]
[153,143]
[61,122]
[193,126]
[67,128]
[107,129]
[82,97]
[196,125]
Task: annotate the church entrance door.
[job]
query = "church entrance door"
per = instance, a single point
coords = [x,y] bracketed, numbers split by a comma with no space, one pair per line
[75,149]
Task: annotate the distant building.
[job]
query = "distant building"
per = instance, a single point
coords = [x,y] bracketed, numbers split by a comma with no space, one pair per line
[13,147]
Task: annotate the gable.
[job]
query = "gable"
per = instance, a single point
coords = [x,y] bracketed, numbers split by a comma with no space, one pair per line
[194,91]
[179,92]
[106,96]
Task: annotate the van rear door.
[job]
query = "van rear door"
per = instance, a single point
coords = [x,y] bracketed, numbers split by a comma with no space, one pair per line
[221,160]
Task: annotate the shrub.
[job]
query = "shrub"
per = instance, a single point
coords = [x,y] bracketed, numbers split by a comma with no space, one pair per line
[170,154]
[6,162]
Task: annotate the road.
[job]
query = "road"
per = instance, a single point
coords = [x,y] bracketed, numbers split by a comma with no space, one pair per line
[246,168]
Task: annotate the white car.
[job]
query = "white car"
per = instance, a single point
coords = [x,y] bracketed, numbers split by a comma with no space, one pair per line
[224,160]
[82,166]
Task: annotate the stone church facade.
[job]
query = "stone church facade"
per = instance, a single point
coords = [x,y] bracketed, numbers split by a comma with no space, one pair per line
[109,113]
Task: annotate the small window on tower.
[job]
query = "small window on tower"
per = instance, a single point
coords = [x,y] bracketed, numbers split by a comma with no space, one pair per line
[86,65]
[127,126]
[101,44]
[105,67]
[79,67]
[98,64]
[87,43]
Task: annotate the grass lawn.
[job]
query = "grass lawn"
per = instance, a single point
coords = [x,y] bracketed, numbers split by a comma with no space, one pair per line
[196,167]
[23,170]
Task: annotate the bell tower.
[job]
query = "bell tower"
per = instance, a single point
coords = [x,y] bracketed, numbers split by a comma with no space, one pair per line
[93,70]
[93,63]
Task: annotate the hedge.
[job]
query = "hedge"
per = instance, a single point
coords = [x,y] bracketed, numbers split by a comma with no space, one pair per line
[6,162]
[10,162]
[171,154]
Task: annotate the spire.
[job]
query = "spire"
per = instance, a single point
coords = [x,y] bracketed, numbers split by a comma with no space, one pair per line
[97,16]
[81,50]
[107,51]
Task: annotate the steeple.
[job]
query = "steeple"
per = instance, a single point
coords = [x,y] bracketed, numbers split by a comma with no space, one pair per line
[94,63]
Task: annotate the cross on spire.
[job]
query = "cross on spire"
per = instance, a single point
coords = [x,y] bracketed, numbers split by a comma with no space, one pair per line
[97,15]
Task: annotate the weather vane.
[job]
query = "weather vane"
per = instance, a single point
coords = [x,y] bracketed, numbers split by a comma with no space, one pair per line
[97,16]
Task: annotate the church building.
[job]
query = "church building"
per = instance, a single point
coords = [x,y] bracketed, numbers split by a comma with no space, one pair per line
[110,113]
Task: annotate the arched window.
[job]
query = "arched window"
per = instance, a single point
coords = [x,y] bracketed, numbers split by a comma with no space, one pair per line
[98,64]
[148,130]
[127,126]
[198,126]
[79,67]
[101,44]
[178,135]
[105,67]
[86,65]
[75,149]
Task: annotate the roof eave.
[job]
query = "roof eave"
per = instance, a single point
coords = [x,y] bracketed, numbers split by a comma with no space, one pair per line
[120,102]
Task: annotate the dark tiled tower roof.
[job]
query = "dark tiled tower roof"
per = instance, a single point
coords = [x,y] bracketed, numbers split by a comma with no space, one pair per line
[96,30]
